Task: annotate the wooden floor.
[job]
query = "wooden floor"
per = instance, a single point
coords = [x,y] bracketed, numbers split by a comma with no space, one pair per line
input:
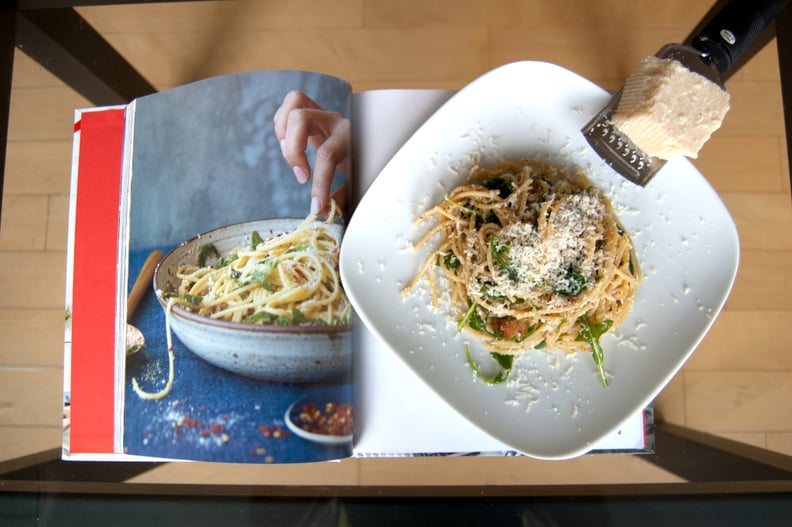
[738,384]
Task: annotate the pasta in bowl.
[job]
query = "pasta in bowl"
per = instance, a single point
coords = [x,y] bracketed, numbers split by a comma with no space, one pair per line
[261,299]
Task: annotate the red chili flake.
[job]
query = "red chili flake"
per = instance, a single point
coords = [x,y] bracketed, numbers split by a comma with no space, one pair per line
[188,422]
[273,432]
[334,419]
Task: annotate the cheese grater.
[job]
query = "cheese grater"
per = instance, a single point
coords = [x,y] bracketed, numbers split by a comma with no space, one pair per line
[711,53]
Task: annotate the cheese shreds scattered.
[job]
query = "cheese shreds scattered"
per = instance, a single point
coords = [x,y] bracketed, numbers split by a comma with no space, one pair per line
[542,257]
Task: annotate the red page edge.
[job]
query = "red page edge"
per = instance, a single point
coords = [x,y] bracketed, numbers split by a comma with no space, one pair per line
[94,262]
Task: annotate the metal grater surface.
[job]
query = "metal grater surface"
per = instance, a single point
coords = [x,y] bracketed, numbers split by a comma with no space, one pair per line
[617,150]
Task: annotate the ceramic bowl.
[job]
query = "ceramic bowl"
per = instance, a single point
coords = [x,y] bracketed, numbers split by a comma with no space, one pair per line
[278,353]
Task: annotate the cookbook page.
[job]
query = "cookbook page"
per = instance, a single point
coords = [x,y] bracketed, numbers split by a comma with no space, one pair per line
[242,361]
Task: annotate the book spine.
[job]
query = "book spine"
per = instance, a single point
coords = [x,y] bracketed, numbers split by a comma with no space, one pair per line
[94,272]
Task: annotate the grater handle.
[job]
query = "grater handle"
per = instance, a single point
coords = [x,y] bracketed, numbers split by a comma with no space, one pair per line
[734,28]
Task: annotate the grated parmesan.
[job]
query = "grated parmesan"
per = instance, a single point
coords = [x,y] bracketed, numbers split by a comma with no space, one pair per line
[542,257]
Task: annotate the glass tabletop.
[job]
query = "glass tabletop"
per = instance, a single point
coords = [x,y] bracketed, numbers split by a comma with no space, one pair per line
[719,432]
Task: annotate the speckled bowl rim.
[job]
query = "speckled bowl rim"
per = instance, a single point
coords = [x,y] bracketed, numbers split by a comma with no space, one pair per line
[187,315]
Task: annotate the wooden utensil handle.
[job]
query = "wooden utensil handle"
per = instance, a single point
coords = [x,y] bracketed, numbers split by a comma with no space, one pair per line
[143,281]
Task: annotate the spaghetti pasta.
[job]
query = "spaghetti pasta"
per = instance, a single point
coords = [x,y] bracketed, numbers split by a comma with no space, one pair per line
[154,396]
[533,257]
[288,279]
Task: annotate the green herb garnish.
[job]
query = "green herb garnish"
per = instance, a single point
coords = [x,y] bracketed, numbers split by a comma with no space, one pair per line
[298,317]
[501,184]
[464,320]
[226,260]
[504,361]
[255,240]
[170,292]
[451,261]
[193,300]
[571,285]
[205,251]
[265,317]
[260,275]
[591,333]
[500,252]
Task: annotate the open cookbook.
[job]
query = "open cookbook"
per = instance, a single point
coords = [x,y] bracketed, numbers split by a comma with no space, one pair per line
[267,334]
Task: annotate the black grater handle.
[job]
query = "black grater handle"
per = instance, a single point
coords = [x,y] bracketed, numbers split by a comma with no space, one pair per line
[734,28]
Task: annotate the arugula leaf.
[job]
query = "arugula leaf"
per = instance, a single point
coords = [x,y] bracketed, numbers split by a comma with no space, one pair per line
[478,323]
[571,285]
[260,276]
[194,300]
[464,320]
[298,317]
[504,361]
[205,251]
[226,260]
[501,184]
[474,320]
[501,255]
[451,261]
[490,217]
[265,317]
[490,291]
[255,240]
[591,332]
[170,292]
[260,317]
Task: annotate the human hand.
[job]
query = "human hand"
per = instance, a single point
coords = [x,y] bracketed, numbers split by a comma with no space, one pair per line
[300,121]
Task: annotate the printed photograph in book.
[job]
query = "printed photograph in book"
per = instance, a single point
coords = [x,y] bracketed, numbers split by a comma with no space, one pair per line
[240,347]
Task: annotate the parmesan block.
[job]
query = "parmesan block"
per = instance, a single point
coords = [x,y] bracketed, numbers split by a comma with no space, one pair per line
[667,110]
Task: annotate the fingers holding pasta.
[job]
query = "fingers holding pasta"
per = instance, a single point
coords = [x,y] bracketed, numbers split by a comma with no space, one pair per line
[299,123]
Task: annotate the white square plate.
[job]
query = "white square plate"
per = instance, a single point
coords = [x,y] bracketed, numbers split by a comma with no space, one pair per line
[553,406]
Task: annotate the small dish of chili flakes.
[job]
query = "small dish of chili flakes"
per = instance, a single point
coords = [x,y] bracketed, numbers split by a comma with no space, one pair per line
[323,417]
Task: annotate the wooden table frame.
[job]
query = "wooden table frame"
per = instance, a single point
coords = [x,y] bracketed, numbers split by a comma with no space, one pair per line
[57,37]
